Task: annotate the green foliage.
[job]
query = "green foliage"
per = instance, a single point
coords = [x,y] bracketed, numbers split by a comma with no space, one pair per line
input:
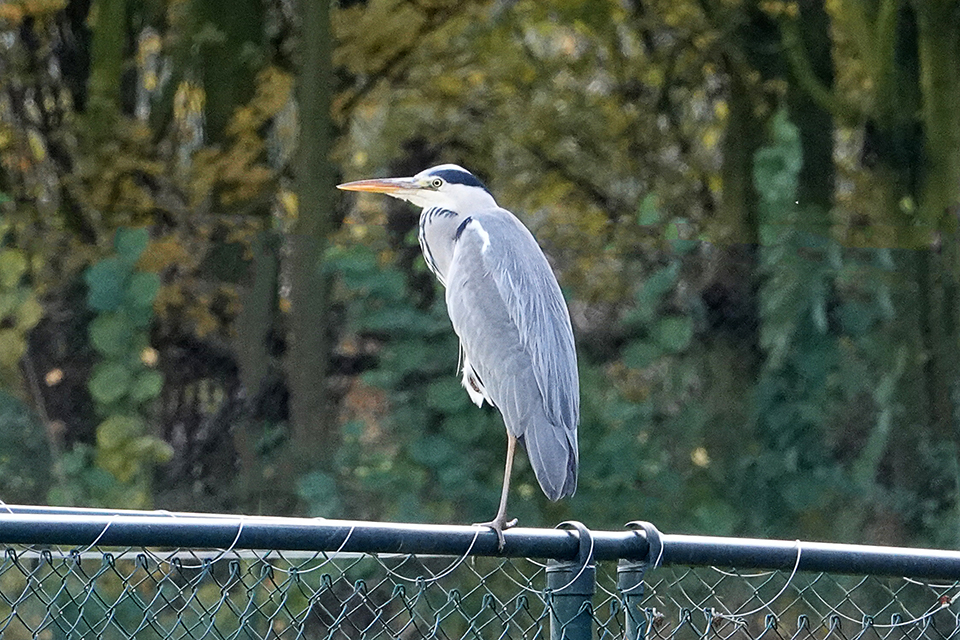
[112,333]
[25,463]
[652,293]
[795,262]
[105,284]
[792,394]
[109,383]
[749,389]
[673,333]
[659,330]
[121,383]
[86,483]
[648,213]
[20,311]
[797,395]
[434,456]
[113,284]
[319,491]
[130,244]
[124,451]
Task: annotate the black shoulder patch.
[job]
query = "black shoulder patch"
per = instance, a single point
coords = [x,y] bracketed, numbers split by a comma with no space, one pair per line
[438,211]
[463,225]
[454,176]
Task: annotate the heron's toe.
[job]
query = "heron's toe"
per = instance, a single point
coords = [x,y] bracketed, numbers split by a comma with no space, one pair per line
[499,525]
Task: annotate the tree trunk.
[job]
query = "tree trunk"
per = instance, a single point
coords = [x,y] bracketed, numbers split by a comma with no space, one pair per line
[938,23]
[106,65]
[737,217]
[227,62]
[938,26]
[256,361]
[815,122]
[313,434]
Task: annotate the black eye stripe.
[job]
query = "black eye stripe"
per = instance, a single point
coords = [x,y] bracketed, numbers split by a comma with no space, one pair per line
[453,176]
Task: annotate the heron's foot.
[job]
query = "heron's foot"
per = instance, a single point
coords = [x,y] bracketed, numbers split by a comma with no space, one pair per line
[499,525]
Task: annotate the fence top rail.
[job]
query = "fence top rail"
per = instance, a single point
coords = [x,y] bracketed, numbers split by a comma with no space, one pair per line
[97,527]
[86,528]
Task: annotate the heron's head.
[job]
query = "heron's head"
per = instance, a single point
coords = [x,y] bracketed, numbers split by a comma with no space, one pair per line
[447,186]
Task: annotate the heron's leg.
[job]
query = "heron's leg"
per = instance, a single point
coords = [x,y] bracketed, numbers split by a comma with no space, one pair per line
[499,522]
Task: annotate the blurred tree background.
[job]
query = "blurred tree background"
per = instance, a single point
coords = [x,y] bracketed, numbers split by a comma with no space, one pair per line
[751,205]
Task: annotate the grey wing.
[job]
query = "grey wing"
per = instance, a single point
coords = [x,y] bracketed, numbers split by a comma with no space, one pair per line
[514,328]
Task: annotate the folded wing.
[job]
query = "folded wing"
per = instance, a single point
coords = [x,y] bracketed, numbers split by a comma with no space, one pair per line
[514,328]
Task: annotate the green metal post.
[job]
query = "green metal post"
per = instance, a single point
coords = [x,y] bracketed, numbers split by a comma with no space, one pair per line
[630,575]
[630,585]
[570,587]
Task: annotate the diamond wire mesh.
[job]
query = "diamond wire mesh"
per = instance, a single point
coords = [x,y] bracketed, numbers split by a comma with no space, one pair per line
[686,602]
[50,593]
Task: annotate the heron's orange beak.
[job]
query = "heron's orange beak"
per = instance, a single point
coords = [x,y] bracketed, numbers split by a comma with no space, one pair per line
[381,185]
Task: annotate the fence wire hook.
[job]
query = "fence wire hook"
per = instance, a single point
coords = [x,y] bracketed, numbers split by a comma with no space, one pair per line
[796,567]
[654,541]
[585,553]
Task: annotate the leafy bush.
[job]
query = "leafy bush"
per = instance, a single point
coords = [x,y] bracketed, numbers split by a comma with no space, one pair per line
[123,382]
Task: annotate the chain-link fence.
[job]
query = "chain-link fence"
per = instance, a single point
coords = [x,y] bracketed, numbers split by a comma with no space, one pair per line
[665,587]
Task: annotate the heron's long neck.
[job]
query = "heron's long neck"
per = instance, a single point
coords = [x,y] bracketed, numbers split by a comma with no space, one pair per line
[438,231]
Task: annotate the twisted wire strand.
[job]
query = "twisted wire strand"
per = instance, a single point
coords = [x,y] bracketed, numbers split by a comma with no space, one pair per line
[942,603]
[329,558]
[443,573]
[100,535]
[739,618]
[576,577]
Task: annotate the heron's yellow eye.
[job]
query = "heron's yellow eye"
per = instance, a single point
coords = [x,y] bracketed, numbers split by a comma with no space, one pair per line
[436,183]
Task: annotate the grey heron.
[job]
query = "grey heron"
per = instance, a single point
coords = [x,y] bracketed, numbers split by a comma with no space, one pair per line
[516,341]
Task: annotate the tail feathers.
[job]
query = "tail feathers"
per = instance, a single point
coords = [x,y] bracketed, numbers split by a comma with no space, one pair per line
[554,459]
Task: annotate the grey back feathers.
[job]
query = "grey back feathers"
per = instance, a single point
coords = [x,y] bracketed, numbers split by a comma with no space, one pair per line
[507,309]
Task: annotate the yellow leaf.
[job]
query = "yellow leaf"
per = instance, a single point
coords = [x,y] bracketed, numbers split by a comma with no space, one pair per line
[721,109]
[53,377]
[710,138]
[11,13]
[6,136]
[150,45]
[37,147]
[162,253]
[29,314]
[700,457]
[13,264]
[150,80]
[149,356]
[12,347]
[289,201]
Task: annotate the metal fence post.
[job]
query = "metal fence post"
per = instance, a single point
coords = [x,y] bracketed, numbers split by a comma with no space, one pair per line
[630,584]
[630,575]
[570,587]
